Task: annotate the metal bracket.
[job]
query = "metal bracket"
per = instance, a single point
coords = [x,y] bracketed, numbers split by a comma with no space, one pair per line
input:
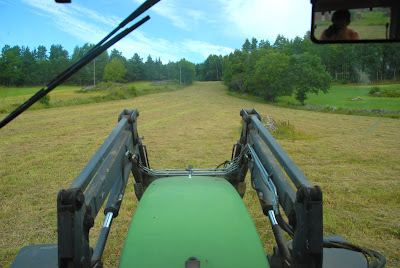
[308,234]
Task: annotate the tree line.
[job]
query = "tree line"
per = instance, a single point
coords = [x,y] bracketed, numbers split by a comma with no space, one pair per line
[283,67]
[268,71]
[26,67]
[350,63]
[299,66]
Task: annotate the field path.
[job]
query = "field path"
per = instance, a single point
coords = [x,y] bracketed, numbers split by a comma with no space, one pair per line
[354,159]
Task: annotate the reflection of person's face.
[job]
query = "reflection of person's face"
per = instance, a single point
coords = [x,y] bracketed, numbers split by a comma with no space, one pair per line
[342,23]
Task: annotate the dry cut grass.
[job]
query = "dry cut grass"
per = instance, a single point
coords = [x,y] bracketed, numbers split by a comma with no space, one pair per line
[354,159]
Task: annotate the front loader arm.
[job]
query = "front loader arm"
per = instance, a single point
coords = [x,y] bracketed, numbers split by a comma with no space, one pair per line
[105,175]
[268,163]
[272,175]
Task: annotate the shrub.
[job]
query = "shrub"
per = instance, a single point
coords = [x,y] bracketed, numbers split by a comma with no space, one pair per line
[131,91]
[287,131]
[391,93]
[45,100]
[374,91]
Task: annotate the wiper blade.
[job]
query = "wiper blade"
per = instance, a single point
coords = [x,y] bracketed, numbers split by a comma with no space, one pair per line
[92,54]
[143,7]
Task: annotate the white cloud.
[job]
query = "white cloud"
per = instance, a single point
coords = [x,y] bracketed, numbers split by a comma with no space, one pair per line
[191,50]
[169,10]
[205,49]
[265,19]
[88,26]
[175,11]
[74,19]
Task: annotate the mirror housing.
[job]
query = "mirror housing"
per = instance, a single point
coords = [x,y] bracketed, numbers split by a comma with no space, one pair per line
[357,21]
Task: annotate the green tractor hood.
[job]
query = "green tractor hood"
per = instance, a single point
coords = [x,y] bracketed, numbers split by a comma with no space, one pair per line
[201,217]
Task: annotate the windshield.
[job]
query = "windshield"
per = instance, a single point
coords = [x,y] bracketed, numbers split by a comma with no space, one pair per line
[189,71]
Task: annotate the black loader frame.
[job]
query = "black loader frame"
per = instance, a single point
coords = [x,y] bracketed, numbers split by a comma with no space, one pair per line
[272,172]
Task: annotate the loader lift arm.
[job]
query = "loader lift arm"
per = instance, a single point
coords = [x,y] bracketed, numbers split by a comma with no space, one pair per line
[303,209]
[106,174]
[272,174]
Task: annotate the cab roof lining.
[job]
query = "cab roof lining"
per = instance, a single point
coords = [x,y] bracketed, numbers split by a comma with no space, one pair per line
[327,5]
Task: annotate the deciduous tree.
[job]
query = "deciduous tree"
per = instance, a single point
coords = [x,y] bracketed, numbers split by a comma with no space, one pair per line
[187,72]
[308,75]
[11,72]
[115,71]
[270,78]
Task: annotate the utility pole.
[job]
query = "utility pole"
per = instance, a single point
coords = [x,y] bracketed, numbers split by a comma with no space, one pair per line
[180,75]
[94,72]
[216,67]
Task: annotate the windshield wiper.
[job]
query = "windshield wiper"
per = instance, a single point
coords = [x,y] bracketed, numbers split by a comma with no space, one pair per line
[93,53]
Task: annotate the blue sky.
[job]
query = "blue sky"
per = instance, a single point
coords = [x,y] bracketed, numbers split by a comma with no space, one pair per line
[177,28]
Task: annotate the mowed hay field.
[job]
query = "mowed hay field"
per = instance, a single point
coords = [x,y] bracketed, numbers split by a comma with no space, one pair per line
[354,159]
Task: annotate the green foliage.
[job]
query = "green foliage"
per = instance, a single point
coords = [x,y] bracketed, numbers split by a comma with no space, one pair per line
[11,66]
[308,76]
[281,42]
[45,100]
[273,72]
[187,72]
[388,93]
[270,76]
[394,93]
[396,231]
[343,81]
[102,86]
[374,90]
[211,69]
[41,53]
[246,47]
[57,52]
[94,70]
[287,131]
[135,68]
[237,82]
[114,91]
[115,71]
[131,91]
[234,65]
[22,67]
[345,63]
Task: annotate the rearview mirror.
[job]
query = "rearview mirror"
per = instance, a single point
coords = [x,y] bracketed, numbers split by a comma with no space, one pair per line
[341,22]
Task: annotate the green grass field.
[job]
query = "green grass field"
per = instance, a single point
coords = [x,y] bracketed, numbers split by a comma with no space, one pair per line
[341,95]
[355,160]
[11,98]
[365,31]
[7,92]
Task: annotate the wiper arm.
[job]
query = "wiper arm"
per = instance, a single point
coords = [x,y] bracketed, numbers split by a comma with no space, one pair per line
[93,53]
[143,7]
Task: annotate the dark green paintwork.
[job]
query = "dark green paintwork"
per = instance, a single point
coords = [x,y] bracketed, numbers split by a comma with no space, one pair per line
[202,217]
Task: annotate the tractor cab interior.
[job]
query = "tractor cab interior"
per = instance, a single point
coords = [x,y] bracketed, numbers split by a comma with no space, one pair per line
[340,21]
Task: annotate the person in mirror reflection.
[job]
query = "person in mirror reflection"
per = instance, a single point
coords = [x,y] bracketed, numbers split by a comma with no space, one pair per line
[338,30]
